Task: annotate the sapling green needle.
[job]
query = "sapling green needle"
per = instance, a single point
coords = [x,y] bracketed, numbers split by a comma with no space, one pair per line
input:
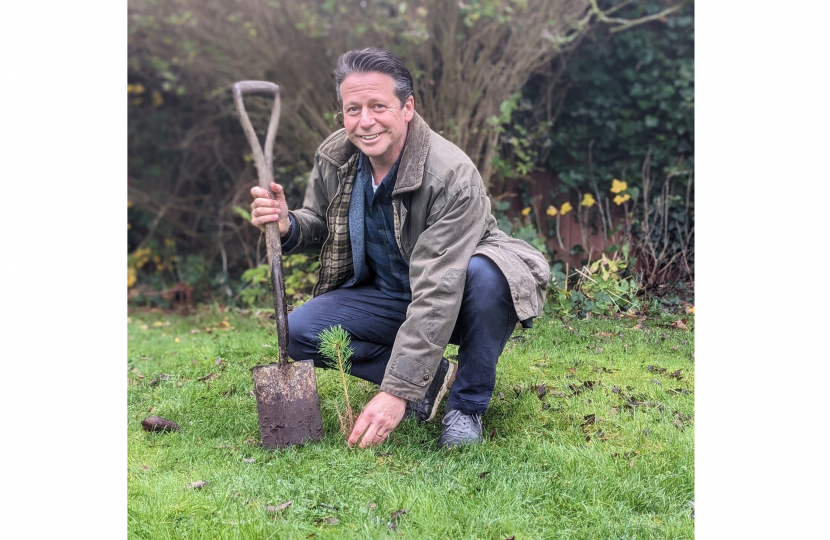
[334,345]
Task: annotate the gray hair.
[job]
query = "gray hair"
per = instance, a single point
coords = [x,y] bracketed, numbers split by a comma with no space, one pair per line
[373,60]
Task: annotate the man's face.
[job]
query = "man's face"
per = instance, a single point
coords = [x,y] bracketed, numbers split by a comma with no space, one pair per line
[373,117]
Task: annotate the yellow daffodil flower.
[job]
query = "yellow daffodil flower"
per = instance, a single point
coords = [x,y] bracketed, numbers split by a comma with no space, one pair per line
[131,277]
[619,199]
[552,211]
[566,207]
[588,200]
[526,211]
[617,186]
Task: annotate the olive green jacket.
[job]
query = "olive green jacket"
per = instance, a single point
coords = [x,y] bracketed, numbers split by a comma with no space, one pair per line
[442,218]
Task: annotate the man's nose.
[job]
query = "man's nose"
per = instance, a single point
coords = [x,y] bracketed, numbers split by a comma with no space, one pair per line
[366,117]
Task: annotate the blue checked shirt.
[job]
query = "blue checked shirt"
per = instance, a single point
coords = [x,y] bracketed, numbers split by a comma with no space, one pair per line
[390,271]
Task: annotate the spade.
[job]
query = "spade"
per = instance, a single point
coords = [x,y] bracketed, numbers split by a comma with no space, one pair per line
[288,406]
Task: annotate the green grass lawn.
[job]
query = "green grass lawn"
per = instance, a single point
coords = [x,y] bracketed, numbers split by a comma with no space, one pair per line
[590,435]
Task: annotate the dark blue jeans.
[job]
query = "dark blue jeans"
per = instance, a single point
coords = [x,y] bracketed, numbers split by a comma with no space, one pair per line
[485,321]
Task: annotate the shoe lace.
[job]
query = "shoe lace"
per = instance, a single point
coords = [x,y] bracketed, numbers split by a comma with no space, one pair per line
[458,421]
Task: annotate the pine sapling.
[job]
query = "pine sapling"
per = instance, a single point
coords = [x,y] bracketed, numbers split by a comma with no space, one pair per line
[334,345]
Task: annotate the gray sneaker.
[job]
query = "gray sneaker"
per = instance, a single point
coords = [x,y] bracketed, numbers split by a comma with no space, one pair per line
[425,410]
[460,429]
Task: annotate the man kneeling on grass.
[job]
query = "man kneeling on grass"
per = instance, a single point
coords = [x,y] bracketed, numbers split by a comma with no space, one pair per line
[411,258]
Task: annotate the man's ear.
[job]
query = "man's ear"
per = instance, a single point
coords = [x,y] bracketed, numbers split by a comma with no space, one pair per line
[409,108]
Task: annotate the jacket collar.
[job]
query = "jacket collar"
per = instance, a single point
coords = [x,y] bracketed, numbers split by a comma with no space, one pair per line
[338,150]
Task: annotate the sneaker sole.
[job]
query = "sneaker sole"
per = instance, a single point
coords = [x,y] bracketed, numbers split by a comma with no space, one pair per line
[449,378]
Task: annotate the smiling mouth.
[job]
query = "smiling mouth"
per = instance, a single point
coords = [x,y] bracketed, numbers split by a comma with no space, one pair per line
[369,137]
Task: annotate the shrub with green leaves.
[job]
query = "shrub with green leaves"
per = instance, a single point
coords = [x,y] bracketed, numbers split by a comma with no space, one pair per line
[604,287]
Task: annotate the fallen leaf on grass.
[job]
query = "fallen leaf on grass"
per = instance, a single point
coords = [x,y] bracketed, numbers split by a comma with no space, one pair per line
[277,509]
[605,334]
[329,520]
[676,374]
[208,377]
[483,474]
[249,460]
[626,455]
[680,324]
[683,417]
[195,331]
[637,326]
[541,391]
[655,381]
[159,424]
[681,391]
[197,485]
[630,404]
[578,389]
[492,434]
[678,424]
[372,506]
[501,395]
[656,369]
[393,524]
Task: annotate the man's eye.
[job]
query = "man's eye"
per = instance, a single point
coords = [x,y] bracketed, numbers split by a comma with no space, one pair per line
[352,110]
[378,107]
